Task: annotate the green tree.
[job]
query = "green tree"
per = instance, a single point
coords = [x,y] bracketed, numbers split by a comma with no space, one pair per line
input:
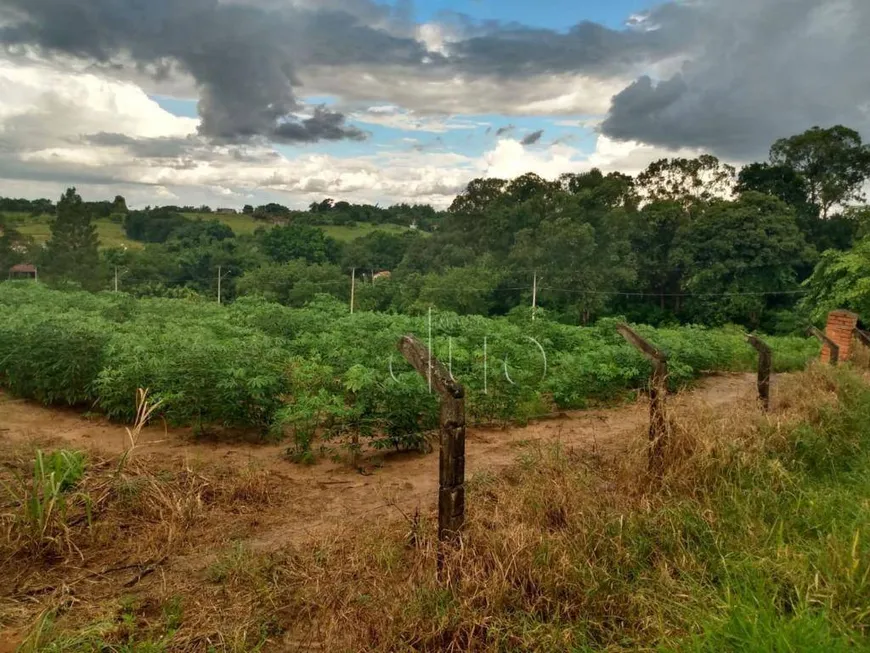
[13,246]
[655,240]
[294,283]
[781,181]
[615,190]
[285,244]
[687,181]
[467,290]
[377,251]
[119,205]
[735,253]
[577,261]
[72,251]
[834,162]
[840,280]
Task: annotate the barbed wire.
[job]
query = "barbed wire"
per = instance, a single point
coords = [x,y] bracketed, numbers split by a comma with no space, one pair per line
[541,289]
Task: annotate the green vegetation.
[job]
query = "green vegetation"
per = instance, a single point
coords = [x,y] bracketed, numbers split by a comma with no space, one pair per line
[686,241]
[260,364]
[45,498]
[38,228]
[348,233]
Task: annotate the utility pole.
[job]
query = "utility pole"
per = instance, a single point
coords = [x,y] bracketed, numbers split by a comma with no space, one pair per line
[352,288]
[429,376]
[116,278]
[535,296]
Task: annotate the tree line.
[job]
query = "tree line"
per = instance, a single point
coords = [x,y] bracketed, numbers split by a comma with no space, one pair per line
[685,241]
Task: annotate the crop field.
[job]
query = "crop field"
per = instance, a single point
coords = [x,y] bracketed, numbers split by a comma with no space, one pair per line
[283,371]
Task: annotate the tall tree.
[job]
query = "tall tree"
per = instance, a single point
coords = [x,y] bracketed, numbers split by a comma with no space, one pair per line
[284,244]
[781,181]
[13,246]
[738,254]
[834,162]
[687,181]
[72,251]
[655,239]
[840,280]
[119,205]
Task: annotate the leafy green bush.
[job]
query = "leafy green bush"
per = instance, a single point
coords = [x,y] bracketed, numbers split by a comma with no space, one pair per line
[320,370]
[53,358]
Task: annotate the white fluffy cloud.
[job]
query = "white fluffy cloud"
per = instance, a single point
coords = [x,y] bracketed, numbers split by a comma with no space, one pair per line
[41,103]
[61,128]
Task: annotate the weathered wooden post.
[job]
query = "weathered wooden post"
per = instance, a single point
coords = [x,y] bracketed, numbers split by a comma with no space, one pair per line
[825,340]
[863,337]
[765,361]
[451,493]
[658,424]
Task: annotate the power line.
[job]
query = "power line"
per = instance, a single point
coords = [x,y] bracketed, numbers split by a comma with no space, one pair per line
[574,291]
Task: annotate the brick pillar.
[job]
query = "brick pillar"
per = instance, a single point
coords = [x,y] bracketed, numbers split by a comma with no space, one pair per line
[840,329]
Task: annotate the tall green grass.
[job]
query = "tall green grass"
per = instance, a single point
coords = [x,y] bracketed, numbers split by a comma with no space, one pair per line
[41,503]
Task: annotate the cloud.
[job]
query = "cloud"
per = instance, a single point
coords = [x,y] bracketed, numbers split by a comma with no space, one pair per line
[506,129]
[323,125]
[246,59]
[757,71]
[727,76]
[243,58]
[534,137]
[395,117]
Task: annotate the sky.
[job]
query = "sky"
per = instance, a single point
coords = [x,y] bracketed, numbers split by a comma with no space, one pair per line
[233,102]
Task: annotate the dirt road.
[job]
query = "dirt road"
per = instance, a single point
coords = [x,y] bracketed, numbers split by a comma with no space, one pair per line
[330,494]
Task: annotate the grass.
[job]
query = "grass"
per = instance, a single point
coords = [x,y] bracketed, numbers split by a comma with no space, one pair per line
[45,499]
[349,233]
[242,225]
[112,234]
[245,225]
[756,538]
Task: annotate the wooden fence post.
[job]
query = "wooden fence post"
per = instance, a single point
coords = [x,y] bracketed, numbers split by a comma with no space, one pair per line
[658,425]
[451,494]
[765,361]
[825,340]
[863,337]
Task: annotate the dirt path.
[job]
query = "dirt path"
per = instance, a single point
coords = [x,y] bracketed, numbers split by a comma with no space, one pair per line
[329,495]
[292,503]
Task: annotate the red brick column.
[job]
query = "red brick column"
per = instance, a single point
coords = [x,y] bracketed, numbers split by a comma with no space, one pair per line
[840,329]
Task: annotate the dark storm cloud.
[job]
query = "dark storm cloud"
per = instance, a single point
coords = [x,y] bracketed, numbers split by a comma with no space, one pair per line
[501,131]
[242,57]
[767,69]
[750,70]
[587,47]
[534,137]
[323,125]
